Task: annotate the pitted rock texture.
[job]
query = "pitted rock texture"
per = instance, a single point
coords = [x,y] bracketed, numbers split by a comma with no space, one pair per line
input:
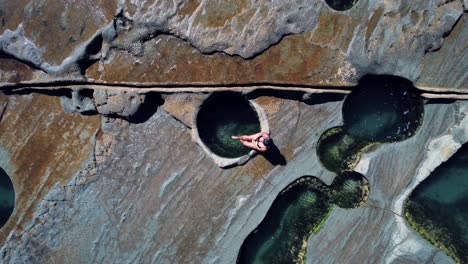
[392,40]
[13,71]
[56,28]
[183,106]
[117,103]
[207,43]
[449,65]
[77,103]
[41,148]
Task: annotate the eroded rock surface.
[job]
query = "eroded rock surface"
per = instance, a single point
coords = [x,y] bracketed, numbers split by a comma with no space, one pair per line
[156,197]
[302,42]
[107,175]
[41,148]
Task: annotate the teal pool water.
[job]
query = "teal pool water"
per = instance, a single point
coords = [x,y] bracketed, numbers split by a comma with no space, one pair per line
[341,5]
[438,207]
[380,109]
[224,115]
[297,212]
[7,197]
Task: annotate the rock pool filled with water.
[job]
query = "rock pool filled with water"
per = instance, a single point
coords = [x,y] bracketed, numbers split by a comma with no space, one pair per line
[224,115]
[341,5]
[7,197]
[438,207]
[381,109]
[297,212]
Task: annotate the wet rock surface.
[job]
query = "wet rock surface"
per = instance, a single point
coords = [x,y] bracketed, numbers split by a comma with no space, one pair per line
[111,173]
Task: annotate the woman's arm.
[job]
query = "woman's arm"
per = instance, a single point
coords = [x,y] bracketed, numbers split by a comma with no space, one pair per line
[253,145]
[254,136]
[249,144]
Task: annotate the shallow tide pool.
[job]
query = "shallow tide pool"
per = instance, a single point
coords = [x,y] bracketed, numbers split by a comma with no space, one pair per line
[381,109]
[299,211]
[292,217]
[438,207]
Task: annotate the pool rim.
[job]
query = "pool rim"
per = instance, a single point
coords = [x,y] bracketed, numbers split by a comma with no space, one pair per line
[221,161]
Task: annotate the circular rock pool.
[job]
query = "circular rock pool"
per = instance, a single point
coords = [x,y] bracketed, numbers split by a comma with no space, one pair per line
[224,115]
[383,109]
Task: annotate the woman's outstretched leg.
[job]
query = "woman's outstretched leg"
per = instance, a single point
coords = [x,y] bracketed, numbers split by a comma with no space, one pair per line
[241,137]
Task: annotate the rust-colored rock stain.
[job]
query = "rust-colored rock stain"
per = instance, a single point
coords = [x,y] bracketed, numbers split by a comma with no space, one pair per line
[218,13]
[189,7]
[47,147]
[14,71]
[294,60]
[372,24]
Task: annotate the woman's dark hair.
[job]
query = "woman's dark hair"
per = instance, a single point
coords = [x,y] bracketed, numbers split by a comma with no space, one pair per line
[267,141]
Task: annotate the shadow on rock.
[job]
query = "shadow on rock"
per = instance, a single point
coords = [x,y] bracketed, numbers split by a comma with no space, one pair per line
[274,156]
[440,101]
[147,109]
[314,99]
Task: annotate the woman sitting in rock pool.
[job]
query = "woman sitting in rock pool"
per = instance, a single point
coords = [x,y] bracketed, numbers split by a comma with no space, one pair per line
[260,141]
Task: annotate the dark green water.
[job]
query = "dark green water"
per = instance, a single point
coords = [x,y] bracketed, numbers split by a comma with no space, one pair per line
[292,217]
[383,109]
[224,115]
[380,109]
[338,151]
[7,197]
[297,212]
[341,5]
[438,207]
[348,189]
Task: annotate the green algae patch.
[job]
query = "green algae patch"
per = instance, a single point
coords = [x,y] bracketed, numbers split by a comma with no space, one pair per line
[350,189]
[338,151]
[299,211]
[7,197]
[224,115]
[381,109]
[341,5]
[437,209]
